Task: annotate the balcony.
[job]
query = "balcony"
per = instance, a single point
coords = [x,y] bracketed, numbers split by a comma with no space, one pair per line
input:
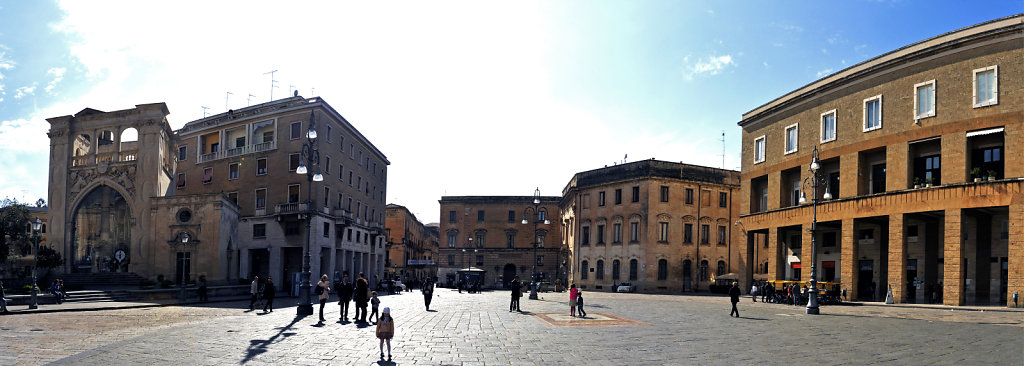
[238,151]
[286,208]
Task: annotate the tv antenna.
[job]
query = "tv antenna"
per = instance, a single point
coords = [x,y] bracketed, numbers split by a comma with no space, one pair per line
[204,110]
[248,99]
[227,97]
[723,149]
[273,83]
[290,88]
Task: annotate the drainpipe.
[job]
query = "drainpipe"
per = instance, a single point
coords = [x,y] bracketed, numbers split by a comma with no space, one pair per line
[697,260]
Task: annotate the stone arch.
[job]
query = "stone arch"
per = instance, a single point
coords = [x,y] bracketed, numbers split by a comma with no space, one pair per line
[101,237]
[129,139]
[722,221]
[664,216]
[705,220]
[689,218]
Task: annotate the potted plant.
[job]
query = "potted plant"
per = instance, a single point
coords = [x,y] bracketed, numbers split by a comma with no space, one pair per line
[917,182]
[991,175]
[976,173]
[928,182]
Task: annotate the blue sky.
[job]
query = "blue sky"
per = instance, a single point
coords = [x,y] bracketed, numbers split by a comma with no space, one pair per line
[465,98]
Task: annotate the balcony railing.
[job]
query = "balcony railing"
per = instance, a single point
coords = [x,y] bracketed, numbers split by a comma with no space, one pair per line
[289,208]
[244,150]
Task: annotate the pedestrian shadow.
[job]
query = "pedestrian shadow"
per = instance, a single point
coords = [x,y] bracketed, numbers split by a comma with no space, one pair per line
[318,325]
[386,363]
[525,312]
[431,311]
[747,317]
[259,346]
[362,325]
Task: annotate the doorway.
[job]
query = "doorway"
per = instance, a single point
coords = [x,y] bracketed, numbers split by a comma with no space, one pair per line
[507,274]
[865,280]
[687,275]
[183,267]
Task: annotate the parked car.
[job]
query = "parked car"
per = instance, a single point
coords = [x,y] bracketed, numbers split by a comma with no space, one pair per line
[625,287]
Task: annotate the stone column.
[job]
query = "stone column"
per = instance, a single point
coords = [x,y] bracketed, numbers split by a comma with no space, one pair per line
[806,259]
[897,258]
[849,165]
[953,259]
[896,170]
[774,260]
[848,270]
[774,195]
[1015,277]
[954,166]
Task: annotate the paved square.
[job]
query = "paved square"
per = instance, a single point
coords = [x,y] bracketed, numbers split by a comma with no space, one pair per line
[591,320]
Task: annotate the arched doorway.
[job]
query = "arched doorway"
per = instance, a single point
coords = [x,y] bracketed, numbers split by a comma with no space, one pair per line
[687,274]
[102,233]
[507,274]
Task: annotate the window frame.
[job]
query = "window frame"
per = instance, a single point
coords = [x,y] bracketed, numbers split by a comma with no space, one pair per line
[206,170]
[256,198]
[918,87]
[664,194]
[663,232]
[182,152]
[232,175]
[298,161]
[835,123]
[995,86]
[181,179]
[760,149]
[265,167]
[291,131]
[864,113]
[298,193]
[796,142]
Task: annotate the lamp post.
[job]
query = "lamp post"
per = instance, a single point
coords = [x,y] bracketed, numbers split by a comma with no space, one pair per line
[311,159]
[542,217]
[817,179]
[36,225]
[183,239]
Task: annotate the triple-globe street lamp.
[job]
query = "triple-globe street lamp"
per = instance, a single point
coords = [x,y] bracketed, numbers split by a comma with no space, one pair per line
[309,162]
[817,179]
[183,238]
[37,224]
[542,217]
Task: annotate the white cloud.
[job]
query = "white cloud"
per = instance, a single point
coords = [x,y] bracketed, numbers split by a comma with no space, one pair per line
[24,135]
[58,75]
[711,65]
[788,27]
[24,91]
[5,64]
[825,72]
[824,51]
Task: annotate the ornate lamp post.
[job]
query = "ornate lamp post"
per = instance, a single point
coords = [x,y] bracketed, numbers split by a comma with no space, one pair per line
[542,217]
[310,158]
[817,179]
[36,225]
[183,239]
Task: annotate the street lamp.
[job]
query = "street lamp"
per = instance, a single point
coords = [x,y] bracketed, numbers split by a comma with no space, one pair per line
[36,225]
[542,217]
[817,179]
[183,239]
[311,159]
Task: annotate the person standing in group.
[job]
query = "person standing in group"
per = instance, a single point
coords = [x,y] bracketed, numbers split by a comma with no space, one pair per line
[579,304]
[385,331]
[362,297]
[734,296]
[374,303]
[3,300]
[753,292]
[573,292]
[428,293]
[203,289]
[764,291]
[323,289]
[254,289]
[344,289]
[517,292]
[269,292]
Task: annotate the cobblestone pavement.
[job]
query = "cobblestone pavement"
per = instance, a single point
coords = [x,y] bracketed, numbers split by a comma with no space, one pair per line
[477,329]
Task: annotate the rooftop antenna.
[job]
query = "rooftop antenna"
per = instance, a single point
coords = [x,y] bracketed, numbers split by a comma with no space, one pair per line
[313,92]
[624,158]
[273,83]
[204,110]
[290,88]
[227,97]
[723,149]
[248,99]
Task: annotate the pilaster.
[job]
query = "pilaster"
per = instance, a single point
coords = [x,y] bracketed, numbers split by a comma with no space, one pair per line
[1015,277]
[848,259]
[897,258]
[953,272]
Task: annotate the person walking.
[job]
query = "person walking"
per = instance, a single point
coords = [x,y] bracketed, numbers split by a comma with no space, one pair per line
[269,292]
[573,292]
[579,304]
[753,292]
[323,289]
[517,292]
[203,289]
[344,289]
[362,297]
[764,291]
[385,331]
[3,299]
[374,303]
[254,289]
[734,296]
[428,293]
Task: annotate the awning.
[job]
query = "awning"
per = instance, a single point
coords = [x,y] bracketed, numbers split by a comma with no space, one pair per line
[984,132]
[796,264]
[828,264]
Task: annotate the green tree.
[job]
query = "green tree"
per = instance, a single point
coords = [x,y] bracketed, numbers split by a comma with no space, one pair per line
[15,233]
[48,258]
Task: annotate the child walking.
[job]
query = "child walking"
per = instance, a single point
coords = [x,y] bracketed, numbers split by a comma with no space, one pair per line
[579,304]
[374,302]
[385,331]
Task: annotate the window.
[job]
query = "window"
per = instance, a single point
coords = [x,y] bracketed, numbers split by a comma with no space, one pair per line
[451,260]
[341,172]
[327,196]
[584,270]
[705,233]
[616,269]
[261,198]
[540,261]
[180,182]
[296,130]
[259,230]
[928,169]
[721,235]
[759,150]
[634,232]
[540,240]
[616,233]
[633,269]
[233,171]
[688,233]
[689,196]
[723,199]
[510,240]
[636,194]
[293,193]
[600,234]
[618,196]
[663,232]
[600,198]
[293,162]
[703,270]
[828,126]
[341,198]
[873,113]
[261,166]
[349,178]
[511,216]
[542,215]
[480,239]
[662,270]
[327,230]
[328,133]
[585,236]
[480,216]
[792,138]
[207,175]
[664,193]
[451,240]
[233,197]
[600,270]
[924,99]
[721,268]
[451,216]
[327,167]
[986,86]
[182,153]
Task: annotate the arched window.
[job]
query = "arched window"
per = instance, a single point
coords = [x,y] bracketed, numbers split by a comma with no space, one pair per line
[662,270]
[616,267]
[721,268]
[583,270]
[703,270]
[600,270]
[632,269]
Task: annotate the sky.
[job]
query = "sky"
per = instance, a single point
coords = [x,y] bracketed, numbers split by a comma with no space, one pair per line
[463,97]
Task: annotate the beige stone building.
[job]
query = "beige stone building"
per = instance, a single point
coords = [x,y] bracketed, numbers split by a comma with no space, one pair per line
[921,149]
[487,234]
[412,246]
[660,225]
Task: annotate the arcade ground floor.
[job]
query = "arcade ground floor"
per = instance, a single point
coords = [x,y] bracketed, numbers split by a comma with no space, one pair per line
[494,268]
[970,252]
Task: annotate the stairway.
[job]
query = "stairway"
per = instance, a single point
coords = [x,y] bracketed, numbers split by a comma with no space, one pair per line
[97,296]
[100,279]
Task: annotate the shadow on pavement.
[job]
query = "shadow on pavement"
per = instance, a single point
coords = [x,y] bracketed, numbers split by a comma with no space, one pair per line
[258,346]
[747,317]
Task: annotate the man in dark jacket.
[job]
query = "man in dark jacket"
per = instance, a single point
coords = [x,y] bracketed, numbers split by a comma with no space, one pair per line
[3,301]
[344,289]
[734,296]
[362,297]
[517,292]
[428,294]
[269,291]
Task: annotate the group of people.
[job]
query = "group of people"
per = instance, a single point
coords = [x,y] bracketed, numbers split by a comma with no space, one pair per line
[57,289]
[264,292]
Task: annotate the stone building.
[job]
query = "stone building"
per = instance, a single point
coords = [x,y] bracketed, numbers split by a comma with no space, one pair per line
[921,149]
[487,235]
[660,225]
[412,246]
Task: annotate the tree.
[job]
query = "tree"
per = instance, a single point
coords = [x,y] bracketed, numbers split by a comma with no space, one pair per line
[15,232]
[48,258]
[40,203]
